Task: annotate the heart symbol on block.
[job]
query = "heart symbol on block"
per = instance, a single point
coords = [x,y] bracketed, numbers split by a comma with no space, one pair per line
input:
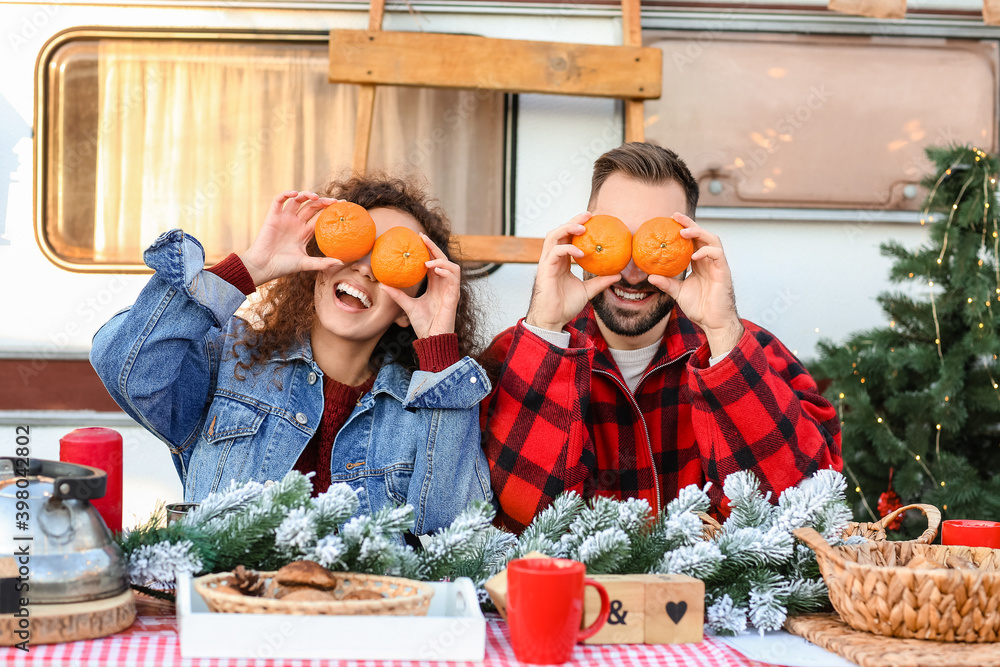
[676,610]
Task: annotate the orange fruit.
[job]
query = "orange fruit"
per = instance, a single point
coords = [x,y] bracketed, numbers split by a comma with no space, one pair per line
[659,249]
[345,231]
[398,258]
[607,244]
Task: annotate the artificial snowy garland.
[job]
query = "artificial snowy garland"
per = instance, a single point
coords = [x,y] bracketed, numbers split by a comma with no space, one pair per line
[754,571]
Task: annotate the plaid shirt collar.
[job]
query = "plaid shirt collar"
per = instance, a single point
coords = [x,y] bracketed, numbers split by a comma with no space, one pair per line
[681,338]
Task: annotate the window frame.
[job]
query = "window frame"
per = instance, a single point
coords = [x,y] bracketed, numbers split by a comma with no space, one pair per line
[43,94]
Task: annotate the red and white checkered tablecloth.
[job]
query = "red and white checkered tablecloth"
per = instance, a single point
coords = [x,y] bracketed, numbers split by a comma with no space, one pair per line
[153,641]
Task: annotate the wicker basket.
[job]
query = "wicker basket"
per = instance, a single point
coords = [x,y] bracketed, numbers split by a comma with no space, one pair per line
[403,597]
[869,531]
[872,590]
[876,530]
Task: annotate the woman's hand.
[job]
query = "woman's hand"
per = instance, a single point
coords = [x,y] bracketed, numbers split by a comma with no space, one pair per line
[433,312]
[558,295]
[706,295]
[280,247]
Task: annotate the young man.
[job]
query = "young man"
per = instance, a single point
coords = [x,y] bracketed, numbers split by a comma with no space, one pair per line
[635,385]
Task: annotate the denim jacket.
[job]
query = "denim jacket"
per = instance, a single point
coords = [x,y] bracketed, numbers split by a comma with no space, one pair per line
[169,362]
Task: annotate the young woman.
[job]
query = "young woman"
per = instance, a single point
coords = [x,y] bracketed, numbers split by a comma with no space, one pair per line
[331,372]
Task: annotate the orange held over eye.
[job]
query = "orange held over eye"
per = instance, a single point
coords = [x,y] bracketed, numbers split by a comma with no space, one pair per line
[398,258]
[345,231]
[659,249]
[607,244]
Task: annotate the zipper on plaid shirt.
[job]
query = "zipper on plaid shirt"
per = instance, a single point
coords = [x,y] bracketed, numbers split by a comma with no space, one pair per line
[638,411]
[649,445]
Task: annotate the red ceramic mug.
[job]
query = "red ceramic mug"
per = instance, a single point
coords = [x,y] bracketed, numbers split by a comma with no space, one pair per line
[971,533]
[545,607]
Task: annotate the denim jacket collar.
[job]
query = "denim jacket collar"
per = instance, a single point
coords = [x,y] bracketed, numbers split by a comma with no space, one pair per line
[299,350]
[392,378]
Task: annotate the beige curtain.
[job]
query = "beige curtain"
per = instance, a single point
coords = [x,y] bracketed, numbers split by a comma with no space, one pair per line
[201,135]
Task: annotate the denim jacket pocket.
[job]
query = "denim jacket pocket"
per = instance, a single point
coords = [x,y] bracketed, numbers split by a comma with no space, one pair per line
[225,444]
[397,483]
[230,418]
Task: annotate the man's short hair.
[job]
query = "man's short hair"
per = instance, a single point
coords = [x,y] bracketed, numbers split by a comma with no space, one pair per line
[648,164]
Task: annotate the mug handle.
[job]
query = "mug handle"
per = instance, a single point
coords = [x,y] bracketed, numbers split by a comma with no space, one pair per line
[598,623]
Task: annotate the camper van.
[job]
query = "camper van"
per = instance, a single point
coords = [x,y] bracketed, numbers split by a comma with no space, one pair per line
[805,127]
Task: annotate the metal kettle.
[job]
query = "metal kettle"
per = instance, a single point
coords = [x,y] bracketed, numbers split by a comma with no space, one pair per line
[54,541]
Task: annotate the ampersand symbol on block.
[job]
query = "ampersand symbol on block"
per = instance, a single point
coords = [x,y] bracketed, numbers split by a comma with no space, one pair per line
[617,616]
[676,610]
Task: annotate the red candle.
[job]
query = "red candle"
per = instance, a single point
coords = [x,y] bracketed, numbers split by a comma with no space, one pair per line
[971,533]
[100,448]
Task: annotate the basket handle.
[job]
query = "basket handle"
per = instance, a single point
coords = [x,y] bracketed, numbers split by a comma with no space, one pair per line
[708,520]
[816,542]
[932,513]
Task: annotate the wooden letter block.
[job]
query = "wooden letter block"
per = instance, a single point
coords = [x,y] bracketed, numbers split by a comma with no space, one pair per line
[626,622]
[675,608]
[497,586]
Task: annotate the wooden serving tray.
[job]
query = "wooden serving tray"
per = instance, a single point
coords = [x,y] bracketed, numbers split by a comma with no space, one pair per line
[870,650]
[454,629]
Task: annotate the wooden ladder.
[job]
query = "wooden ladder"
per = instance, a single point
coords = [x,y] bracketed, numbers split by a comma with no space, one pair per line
[630,72]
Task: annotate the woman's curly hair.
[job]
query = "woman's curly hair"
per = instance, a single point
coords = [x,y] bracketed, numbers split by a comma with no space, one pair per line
[284,315]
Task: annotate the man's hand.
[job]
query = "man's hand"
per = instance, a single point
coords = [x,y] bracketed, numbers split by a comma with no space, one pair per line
[558,296]
[706,295]
[433,312]
[280,247]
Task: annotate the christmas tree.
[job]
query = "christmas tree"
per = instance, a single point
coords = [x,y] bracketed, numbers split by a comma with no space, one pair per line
[919,399]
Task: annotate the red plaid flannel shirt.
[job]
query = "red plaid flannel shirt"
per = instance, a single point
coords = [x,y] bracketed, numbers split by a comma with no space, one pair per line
[564,419]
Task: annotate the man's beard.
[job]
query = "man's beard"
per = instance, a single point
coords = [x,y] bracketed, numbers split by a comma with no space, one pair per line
[632,323]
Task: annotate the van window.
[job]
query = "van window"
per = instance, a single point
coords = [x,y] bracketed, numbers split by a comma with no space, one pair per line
[143,134]
[810,121]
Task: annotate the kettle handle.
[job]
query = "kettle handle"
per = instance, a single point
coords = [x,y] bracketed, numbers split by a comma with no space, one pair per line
[72,481]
